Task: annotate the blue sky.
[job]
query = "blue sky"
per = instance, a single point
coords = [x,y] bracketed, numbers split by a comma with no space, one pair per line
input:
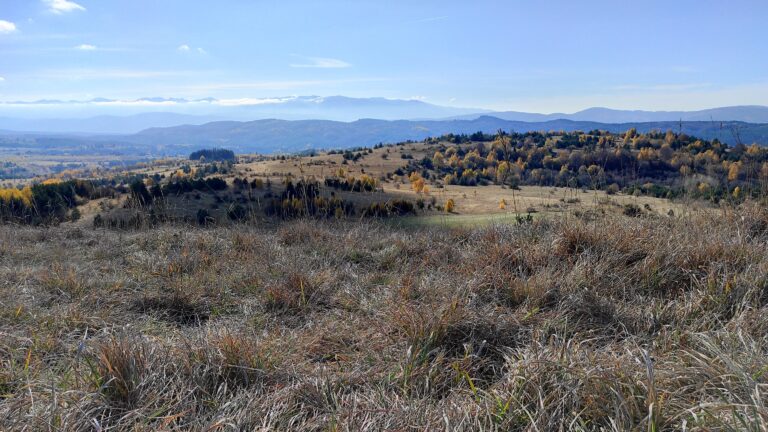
[543,56]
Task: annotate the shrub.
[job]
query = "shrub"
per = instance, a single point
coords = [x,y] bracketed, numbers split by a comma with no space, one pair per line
[203,217]
[237,212]
[389,208]
[632,210]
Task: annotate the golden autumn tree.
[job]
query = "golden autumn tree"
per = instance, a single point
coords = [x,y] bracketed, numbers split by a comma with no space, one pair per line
[733,171]
[438,159]
[450,205]
[13,194]
[417,182]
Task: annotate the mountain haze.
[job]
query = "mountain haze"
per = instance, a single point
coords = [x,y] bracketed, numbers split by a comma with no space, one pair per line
[104,124]
[130,116]
[746,113]
[270,135]
[111,116]
[281,135]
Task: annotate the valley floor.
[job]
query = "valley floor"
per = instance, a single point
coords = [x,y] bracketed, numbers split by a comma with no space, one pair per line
[561,323]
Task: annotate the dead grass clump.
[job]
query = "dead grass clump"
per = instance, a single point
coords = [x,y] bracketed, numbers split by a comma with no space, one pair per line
[588,309]
[175,308]
[576,239]
[753,217]
[479,344]
[449,347]
[544,386]
[226,362]
[538,291]
[13,367]
[301,232]
[120,370]
[333,347]
[320,399]
[246,242]
[298,292]
[513,266]
[607,238]
[64,282]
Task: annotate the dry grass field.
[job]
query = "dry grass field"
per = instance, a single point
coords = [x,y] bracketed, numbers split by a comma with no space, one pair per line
[321,165]
[473,204]
[555,310]
[470,201]
[43,165]
[613,323]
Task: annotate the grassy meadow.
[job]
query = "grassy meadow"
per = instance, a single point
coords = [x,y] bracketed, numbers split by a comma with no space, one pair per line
[562,323]
[400,287]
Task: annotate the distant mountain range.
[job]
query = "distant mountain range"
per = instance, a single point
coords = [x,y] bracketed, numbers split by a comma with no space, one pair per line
[270,136]
[129,116]
[111,116]
[280,135]
[745,113]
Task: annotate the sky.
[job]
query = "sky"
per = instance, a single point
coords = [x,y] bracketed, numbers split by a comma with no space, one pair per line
[522,55]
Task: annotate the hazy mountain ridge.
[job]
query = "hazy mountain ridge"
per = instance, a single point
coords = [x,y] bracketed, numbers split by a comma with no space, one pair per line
[743,113]
[283,135]
[130,116]
[113,116]
[271,135]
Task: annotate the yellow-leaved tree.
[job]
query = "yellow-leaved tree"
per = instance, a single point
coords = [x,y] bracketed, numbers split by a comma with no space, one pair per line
[13,194]
[450,205]
[417,182]
[733,171]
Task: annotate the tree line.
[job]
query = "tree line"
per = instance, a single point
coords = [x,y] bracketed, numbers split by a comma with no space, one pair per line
[660,164]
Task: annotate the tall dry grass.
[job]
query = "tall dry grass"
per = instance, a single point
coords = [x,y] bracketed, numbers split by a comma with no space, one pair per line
[611,324]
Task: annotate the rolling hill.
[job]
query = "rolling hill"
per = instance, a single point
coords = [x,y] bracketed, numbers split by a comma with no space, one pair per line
[270,136]
[131,116]
[110,116]
[281,135]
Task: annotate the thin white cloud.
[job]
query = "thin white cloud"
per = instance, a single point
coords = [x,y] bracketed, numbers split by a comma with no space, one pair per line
[7,27]
[252,101]
[86,47]
[188,49]
[321,63]
[2,79]
[62,6]
[139,102]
